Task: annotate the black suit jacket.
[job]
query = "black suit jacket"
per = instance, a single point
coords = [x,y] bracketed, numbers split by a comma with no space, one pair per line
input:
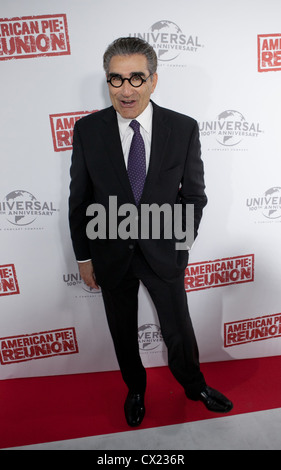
[175,175]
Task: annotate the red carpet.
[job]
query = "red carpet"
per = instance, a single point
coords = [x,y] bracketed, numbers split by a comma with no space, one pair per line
[45,409]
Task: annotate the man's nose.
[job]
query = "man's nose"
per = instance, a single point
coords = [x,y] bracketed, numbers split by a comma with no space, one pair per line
[127,88]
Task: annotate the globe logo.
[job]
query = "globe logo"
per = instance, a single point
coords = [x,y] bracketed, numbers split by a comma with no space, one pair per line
[149,336]
[19,207]
[165,35]
[272,207]
[228,134]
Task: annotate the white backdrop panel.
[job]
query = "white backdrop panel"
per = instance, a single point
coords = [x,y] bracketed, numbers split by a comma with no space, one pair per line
[49,323]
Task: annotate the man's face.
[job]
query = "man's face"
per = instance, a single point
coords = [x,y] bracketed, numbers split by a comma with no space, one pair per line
[128,101]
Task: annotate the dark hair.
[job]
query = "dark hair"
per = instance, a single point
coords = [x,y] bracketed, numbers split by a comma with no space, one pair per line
[129,46]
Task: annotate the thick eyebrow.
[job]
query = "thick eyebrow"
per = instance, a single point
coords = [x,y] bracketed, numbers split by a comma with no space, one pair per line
[142,74]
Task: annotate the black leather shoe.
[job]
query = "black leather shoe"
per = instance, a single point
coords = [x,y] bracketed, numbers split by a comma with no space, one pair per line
[215,401]
[134,409]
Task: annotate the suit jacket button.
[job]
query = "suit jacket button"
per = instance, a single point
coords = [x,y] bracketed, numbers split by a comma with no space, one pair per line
[131,247]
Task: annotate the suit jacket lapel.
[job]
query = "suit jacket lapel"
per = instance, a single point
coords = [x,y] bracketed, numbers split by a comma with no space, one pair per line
[160,135]
[114,151]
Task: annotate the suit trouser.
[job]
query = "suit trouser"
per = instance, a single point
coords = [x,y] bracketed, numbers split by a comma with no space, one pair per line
[169,298]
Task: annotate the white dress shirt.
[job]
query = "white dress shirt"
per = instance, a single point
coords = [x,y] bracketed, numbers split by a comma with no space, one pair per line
[126,132]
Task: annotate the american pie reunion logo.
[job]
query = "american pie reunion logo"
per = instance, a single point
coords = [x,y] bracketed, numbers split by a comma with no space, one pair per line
[22,348]
[34,36]
[62,125]
[8,280]
[251,330]
[220,272]
[269,52]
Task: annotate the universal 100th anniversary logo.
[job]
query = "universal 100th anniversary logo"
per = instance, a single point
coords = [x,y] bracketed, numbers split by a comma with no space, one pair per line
[266,207]
[169,42]
[230,131]
[20,209]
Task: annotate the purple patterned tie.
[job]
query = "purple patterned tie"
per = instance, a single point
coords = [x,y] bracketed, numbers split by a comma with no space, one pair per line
[136,162]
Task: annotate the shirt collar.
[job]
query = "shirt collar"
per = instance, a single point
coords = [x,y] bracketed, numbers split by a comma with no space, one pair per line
[145,120]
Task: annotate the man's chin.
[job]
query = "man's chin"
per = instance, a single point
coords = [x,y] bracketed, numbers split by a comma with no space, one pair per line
[128,113]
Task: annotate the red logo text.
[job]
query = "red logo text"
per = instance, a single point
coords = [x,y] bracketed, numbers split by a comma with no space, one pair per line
[38,345]
[254,329]
[8,280]
[33,36]
[219,273]
[62,128]
[269,52]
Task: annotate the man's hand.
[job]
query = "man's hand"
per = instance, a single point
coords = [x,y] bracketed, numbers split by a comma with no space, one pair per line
[87,273]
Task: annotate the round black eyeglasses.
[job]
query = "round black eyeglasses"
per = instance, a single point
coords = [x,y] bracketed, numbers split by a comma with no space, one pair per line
[135,80]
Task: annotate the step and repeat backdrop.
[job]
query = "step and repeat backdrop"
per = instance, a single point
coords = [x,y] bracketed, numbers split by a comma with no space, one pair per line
[219,62]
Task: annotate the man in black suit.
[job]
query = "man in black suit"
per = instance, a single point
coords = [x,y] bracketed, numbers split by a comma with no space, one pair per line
[156,162]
